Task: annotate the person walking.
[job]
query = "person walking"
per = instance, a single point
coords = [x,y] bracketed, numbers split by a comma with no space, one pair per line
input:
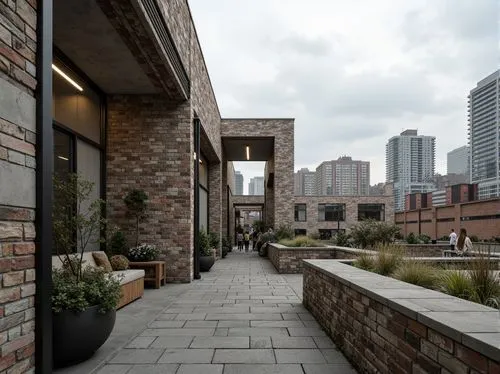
[246,238]
[464,244]
[453,239]
[239,239]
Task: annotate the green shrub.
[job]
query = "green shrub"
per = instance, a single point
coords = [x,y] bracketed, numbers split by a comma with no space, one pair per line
[143,252]
[387,259]
[95,288]
[425,239]
[456,283]
[117,244]
[136,202]
[315,235]
[474,238]
[342,239]
[204,244]
[284,232]
[365,261]
[485,282]
[411,238]
[417,273]
[118,262]
[300,241]
[214,239]
[369,233]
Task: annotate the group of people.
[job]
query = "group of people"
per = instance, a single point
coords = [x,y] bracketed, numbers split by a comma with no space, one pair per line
[462,244]
[243,239]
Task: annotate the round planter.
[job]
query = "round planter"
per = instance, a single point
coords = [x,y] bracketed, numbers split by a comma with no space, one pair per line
[76,336]
[206,262]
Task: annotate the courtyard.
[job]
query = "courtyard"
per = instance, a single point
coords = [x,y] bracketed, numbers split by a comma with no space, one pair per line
[241,317]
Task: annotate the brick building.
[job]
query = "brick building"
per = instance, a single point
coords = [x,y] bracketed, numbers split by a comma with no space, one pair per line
[117,91]
[327,215]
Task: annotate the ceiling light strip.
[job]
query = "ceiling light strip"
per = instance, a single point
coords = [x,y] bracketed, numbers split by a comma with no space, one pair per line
[248,153]
[65,76]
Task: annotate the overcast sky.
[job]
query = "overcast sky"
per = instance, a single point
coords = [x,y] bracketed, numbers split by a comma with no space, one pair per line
[352,73]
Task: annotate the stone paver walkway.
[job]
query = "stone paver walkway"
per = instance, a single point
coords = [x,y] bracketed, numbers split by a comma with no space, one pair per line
[241,318]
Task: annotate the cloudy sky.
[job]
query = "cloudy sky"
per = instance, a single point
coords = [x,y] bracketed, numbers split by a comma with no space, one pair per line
[352,73]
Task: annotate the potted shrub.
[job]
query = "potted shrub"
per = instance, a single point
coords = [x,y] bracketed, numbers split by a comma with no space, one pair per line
[143,252]
[214,241]
[206,254]
[84,299]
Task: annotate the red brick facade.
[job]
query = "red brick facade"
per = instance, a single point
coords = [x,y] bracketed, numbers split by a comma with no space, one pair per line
[17,196]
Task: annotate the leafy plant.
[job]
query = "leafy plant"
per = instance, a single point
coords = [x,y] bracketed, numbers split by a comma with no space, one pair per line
[94,287]
[342,239]
[418,273]
[143,252]
[315,235]
[365,261]
[388,259]
[284,232]
[411,238]
[119,262]
[117,244]
[369,233]
[77,221]
[474,238]
[456,283]
[423,238]
[259,226]
[214,239]
[204,244]
[300,241]
[136,202]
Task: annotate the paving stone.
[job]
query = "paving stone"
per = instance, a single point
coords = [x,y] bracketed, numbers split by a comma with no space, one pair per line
[220,342]
[306,317]
[166,316]
[262,369]
[172,342]
[190,316]
[324,342]
[141,342]
[200,324]
[299,356]
[244,356]
[154,369]
[290,316]
[293,342]
[178,332]
[328,369]
[245,316]
[257,331]
[334,356]
[311,324]
[291,323]
[259,342]
[137,356]
[305,331]
[222,331]
[187,356]
[114,369]
[235,323]
[166,324]
[200,369]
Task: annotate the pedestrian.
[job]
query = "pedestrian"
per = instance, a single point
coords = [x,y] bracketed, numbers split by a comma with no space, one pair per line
[239,239]
[246,238]
[255,235]
[464,244]
[453,239]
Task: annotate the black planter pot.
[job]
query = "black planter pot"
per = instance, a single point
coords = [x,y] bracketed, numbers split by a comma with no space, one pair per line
[206,262]
[76,336]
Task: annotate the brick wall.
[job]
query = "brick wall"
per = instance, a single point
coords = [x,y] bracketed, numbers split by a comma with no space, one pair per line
[150,147]
[377,338]
[17,184]
[312,225]
[289,260]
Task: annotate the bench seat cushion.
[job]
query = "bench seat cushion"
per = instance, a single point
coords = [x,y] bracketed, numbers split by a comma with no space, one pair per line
[127,276]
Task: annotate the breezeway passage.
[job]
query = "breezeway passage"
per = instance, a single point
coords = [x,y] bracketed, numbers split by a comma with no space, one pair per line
[240,318]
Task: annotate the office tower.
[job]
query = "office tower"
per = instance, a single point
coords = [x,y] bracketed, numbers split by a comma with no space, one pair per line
[305,182]
[343,177]
[457,161]
[238,183]
[410,162]
[484,135]
[256,186]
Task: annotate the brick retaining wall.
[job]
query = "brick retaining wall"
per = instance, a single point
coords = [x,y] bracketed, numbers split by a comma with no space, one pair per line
[383,325]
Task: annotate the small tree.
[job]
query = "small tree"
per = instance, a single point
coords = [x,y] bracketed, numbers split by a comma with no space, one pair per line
[77,222]
[136,202]
[369,233]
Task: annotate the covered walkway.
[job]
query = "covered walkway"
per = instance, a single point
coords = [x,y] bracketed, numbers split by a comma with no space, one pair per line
[240,318]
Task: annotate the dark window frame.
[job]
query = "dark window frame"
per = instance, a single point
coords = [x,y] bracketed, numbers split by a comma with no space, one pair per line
[381,212]
[296,212]
[331,212]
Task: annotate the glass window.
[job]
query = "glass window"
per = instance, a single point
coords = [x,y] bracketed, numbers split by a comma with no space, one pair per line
[300,232]
[203,209]
[300,213]
[76,108]
[63,160]
[331,212]
[371,211]
[203,170]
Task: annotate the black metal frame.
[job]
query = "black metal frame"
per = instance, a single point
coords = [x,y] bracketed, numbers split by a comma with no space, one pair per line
[43,219]
[196,233]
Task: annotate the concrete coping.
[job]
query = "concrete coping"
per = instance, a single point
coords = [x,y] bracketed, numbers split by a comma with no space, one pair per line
[474,325]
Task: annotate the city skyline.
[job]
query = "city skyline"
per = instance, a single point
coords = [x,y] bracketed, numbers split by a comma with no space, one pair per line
[355,93]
